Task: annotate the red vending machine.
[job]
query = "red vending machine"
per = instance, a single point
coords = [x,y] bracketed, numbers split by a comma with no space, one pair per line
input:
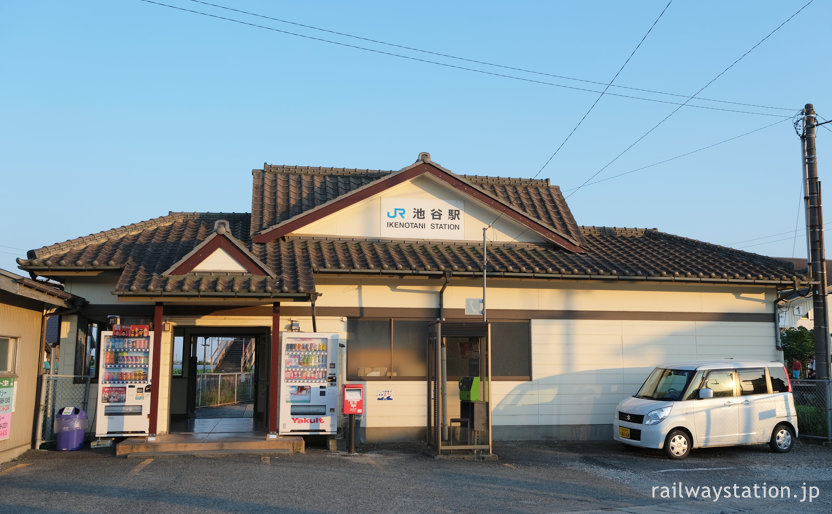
[124,381]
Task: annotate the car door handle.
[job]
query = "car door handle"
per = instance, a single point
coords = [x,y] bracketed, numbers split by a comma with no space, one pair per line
[746,402]
[728,404]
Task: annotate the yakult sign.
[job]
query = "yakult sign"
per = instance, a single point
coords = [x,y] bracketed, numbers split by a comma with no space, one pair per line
[422,218]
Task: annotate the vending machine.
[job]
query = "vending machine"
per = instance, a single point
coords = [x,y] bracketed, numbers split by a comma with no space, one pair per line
[124,381]
[309,383]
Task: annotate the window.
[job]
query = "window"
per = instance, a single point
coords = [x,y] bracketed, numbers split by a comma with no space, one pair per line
[409,347]
[86,346]
[721,382]
[8,355]
[369,350]
[511,350]
[779,380]
[665,384]
[752,381]
[396,350]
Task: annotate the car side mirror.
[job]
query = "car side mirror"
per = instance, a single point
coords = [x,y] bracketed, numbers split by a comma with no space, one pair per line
[706,393]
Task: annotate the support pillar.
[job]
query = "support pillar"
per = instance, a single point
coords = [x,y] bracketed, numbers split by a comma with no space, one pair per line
[155,370]
[274,371]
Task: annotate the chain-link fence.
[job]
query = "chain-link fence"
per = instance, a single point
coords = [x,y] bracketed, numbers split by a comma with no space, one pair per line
[214,389]
[814,416]
[59,391]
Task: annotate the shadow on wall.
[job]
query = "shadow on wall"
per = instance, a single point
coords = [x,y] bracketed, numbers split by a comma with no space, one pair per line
[585,368]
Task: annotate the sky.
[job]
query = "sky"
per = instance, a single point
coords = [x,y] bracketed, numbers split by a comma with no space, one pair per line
[119,111]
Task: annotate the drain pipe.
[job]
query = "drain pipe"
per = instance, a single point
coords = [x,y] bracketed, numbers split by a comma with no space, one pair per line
[444,371]
[447,278]
[778,343]
[312,298]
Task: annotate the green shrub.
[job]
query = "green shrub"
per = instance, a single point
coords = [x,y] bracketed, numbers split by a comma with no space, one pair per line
[811,420]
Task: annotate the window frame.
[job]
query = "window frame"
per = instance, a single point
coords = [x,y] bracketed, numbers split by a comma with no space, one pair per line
[731,371]
[11,356]
[391,355]
[762,371]
[87,338]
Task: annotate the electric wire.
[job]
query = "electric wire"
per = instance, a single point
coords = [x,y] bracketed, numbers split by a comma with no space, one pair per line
[753,239]
[591,107]
[657,163]
[13,247]
[475,61]
[720,74]
[766,242]
[797,219]
[606,88]
[457,67]
[825,122]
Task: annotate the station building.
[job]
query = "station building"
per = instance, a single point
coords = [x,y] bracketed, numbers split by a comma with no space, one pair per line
[578,314]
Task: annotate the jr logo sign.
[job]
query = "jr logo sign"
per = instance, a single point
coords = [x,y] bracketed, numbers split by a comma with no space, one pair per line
[397,213]
[422,218]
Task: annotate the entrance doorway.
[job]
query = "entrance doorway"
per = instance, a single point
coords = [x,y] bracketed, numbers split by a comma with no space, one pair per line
[459,387]
[219,380]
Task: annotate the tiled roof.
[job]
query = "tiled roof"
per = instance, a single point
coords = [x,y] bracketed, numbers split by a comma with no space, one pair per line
[280,193]
[536,198]
[144,251]
[613,253]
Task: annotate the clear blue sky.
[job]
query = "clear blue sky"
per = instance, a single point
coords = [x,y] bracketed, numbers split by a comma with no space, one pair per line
[115,112]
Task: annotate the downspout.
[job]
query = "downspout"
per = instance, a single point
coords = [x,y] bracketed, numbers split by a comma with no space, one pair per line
[447,278]
[312,298]
[778,344]
[444,370]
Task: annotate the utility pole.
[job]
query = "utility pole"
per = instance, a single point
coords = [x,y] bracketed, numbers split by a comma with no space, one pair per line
[817,257]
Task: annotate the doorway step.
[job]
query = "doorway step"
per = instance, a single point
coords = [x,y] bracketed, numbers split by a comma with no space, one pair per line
[209,444]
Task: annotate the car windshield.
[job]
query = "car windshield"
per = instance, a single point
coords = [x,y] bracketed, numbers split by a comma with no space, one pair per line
[665,384]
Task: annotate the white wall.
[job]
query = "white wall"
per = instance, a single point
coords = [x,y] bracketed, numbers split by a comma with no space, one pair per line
[582,369]
[363,218]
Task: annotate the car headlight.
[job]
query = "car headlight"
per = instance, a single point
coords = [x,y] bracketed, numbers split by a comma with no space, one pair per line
[657,416]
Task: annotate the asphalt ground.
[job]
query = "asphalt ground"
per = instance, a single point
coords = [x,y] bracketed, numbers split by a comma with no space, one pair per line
[527,477]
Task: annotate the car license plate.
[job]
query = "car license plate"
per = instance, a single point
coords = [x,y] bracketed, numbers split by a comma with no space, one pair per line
[624,432]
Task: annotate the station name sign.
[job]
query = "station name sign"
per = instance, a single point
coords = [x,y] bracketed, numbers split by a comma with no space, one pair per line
[422,218]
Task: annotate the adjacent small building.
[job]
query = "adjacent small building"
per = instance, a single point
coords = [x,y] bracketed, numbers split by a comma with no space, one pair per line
[577,314]
[24,307]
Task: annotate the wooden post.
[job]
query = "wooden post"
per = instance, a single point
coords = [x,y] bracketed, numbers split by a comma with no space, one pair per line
[155,372]
[274,369]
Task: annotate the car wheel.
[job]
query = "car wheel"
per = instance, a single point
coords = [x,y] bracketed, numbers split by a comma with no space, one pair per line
[782,439]
[677,445]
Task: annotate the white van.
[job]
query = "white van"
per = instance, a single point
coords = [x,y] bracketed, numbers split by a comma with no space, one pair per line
[718,403]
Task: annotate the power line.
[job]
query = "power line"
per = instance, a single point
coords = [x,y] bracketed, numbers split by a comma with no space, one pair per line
[766,243]
[797,218]
[657,125]
[475,61]
[786,233]
[454,66]
[678,156]
[591,107]
[825,121]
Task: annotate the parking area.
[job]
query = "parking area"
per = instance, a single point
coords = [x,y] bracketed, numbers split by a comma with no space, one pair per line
[528,477]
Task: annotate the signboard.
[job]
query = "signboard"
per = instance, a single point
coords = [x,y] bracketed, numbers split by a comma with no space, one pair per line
[426,219]
[6,395]
[5,426]
[6,406]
